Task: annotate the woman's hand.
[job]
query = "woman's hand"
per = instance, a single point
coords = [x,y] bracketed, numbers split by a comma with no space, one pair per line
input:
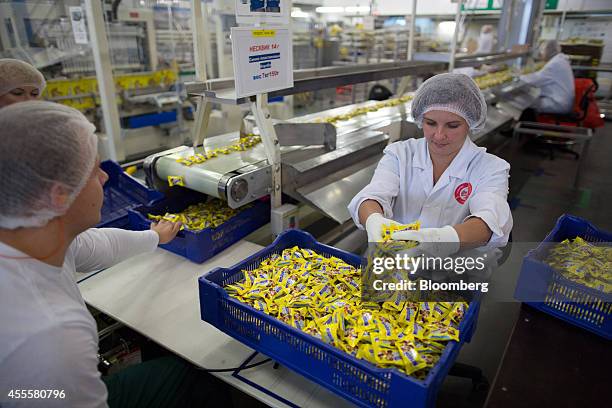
[374,225]
[439,242]
[166,230]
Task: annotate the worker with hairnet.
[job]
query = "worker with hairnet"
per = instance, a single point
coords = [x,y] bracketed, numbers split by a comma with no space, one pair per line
[455,189]
[50,196]
[486,40]
[555,80]
[19,82]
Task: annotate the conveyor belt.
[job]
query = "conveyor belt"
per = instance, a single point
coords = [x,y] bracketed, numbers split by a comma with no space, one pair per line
[324,179]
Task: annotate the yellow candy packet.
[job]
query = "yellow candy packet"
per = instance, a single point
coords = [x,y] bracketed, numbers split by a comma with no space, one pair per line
[410,356]
[387,356]
[352,336]
[329,333]
[389,229]
[456,312]
[186,161]
[365,320]
[395,305]
[385,328]
[298,317]
[441,332]
[408,314]
[176,181]
[366,352]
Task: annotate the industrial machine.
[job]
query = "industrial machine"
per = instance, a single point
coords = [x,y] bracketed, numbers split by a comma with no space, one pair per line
[152,107]
[322,173]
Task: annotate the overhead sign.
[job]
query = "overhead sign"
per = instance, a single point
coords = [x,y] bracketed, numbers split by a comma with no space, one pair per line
[77,18]
[263,59]
[263,11]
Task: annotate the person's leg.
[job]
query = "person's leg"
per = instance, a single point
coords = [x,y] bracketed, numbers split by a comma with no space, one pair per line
[165,382]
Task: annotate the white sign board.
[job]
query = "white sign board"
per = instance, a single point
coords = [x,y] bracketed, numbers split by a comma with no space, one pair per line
[77,18]
[263,11]
[263,59]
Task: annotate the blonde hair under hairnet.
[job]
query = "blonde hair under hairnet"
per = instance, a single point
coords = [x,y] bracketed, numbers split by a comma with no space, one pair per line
[455,93]
[15,74]
[42,145]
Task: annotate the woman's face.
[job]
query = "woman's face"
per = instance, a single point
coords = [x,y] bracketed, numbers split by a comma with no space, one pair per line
[86,208]
[445,132]
[21,94]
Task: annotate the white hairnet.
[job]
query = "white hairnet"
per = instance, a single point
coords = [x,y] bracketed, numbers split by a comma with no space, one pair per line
[456,93]
[487,28]
[549,49]
[15,74]
[42,145]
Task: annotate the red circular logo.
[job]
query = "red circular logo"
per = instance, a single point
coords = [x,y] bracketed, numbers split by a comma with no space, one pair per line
[462,192]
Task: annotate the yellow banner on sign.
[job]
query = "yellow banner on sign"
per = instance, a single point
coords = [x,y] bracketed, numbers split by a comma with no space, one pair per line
[263,33]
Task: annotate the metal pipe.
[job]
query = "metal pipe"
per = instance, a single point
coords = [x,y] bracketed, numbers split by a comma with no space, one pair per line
[561,23]
[207,43]
[104,74]
[199,40]
[412,28]
[451,62]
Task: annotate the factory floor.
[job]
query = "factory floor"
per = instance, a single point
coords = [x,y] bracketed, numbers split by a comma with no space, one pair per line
[541,190]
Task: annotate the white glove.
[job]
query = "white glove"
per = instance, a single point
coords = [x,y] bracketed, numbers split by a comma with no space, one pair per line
[433,241]
[374,224]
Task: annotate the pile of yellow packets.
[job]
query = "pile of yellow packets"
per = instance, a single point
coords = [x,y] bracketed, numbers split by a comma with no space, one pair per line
[243,144]
[493,79]
[583,263]
[200,216]
[321,296]
[365,109]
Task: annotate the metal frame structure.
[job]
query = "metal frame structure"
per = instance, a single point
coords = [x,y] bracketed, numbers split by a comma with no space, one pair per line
[451,61]
[104,72]
[222,90]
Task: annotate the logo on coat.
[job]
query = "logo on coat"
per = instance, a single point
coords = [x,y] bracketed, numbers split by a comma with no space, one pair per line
[462,192]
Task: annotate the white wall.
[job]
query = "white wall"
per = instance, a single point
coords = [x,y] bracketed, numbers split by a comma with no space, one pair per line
[446,7]
[586,5]
[309,2]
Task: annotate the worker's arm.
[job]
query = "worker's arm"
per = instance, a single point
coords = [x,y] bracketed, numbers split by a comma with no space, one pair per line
[367,208]
[99,248]
[544,76]
[490,219]
[379,195]
[473,232]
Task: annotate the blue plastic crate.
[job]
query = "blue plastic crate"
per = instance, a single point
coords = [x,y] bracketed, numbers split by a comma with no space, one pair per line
[198,246]
[542,287]
[356,380]
[122,192]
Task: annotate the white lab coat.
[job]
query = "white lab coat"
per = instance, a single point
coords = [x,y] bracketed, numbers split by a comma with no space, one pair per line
[485,43]
[49,340]
[556,81]
[474,185]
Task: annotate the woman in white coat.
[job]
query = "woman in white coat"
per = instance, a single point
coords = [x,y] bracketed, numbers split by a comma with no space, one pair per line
[555,80]
[455,189]
[51,193]
[486,41]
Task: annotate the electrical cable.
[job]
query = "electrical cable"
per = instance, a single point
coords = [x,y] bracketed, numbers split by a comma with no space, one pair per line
[229,370]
